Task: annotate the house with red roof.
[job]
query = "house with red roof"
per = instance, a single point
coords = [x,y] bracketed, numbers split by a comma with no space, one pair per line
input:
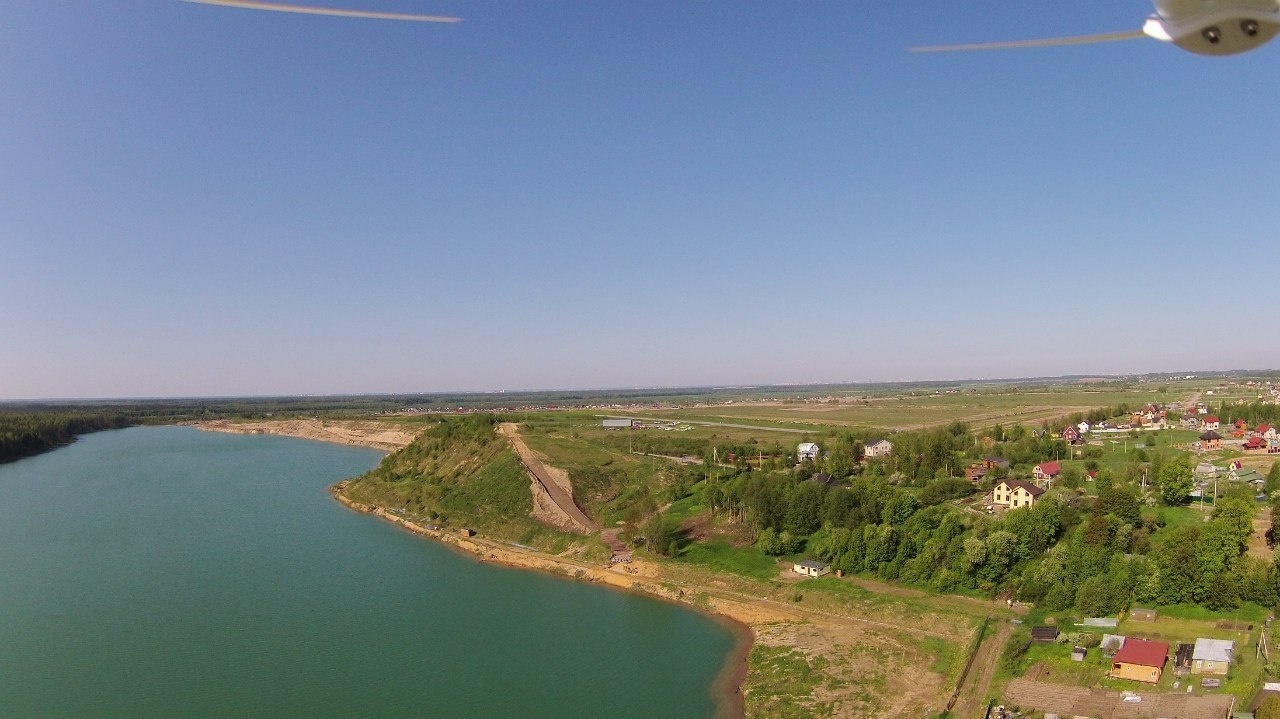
[1211,422]
[1266,431]
[1071,435]
[1255,442]
[1047,470]
[1141,660]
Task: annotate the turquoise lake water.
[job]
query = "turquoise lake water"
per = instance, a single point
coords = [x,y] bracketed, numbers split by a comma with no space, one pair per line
[169,572]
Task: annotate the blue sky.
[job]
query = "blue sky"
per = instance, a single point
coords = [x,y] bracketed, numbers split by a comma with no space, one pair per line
[208,201]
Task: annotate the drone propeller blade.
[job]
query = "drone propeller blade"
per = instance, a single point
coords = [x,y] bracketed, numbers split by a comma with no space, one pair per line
[1047,42]
[334,12]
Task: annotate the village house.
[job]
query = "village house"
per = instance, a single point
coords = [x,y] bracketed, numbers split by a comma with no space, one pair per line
[1212,656]
[807,451]
[1083,427]
[1210,440]
[1266,431]
[1014,493]
[1191,422]
[878,448]
[1046,470]
[1141,660]
[1211,422]
[811,568]
[996,463]
[1248,476]
[1255,442]
[976,471]
[1071,435]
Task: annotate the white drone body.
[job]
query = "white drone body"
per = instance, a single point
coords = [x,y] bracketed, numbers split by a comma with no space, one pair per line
[1204,27]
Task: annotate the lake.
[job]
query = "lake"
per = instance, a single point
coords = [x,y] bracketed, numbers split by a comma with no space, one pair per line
[169,572]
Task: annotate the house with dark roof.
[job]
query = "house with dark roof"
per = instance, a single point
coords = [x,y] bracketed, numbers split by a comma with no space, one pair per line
[823,478]
[811,568]
[1044,634]
[1141,660]
[1210,440]
[1015,493]
[877,448]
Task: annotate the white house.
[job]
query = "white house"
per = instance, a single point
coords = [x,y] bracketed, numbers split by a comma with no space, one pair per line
[878,448]
[807,450]
[1083,427]
[811,568]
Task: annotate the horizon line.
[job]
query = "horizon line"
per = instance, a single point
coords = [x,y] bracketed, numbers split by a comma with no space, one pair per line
[652,388]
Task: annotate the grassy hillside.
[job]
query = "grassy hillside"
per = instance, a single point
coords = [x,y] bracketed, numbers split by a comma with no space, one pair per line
[458,473]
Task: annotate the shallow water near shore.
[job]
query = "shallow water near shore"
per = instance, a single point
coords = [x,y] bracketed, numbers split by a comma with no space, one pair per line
[168,572]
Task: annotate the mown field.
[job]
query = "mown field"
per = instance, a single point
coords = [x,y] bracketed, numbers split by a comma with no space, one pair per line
[978,407]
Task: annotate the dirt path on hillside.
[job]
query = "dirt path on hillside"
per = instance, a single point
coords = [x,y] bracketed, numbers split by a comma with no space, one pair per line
[552,493]
[972,696]
[1258,540]
[361,433]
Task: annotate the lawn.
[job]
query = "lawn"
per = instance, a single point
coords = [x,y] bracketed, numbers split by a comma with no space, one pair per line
[719,555]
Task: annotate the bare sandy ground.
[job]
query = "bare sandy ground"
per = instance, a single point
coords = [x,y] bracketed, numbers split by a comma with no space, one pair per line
[361,433]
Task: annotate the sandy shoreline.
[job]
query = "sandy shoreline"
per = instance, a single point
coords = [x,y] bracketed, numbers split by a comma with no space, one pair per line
[728,686]
[355,433]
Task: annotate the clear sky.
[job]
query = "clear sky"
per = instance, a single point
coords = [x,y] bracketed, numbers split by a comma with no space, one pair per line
[198,200]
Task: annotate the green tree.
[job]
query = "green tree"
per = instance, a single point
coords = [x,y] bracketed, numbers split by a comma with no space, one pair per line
[659,535]
[803,515]
[1175,481]
[1269,708]
[899,508]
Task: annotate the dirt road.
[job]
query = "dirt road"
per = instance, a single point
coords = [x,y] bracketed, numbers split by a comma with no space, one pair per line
[972,694]
[551,482]
[1258,546]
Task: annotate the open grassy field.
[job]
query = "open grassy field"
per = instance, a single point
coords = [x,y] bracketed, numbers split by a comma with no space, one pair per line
[979,408]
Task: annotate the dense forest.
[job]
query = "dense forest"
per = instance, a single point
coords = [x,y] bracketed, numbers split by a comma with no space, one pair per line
[23,434]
